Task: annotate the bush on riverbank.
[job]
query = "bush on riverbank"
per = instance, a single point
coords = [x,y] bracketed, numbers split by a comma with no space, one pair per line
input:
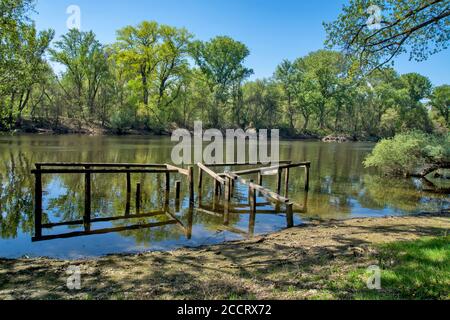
[409,154]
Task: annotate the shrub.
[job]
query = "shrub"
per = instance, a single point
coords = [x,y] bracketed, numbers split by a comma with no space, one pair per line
[406,153]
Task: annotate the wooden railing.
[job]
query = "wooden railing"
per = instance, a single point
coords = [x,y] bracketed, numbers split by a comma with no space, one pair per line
[87,169]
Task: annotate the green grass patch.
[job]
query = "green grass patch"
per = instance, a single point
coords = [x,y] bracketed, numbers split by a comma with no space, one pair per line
[409,270]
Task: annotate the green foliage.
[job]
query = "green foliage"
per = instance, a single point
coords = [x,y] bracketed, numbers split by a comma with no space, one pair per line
[406,153]
[440,101]
[420,27]
[157,78]
[22,63]
[221,61]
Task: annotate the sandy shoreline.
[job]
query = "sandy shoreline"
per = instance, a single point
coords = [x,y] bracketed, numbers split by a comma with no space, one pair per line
[303,258]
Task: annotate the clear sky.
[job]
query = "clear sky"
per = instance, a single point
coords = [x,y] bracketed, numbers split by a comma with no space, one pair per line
[273,30]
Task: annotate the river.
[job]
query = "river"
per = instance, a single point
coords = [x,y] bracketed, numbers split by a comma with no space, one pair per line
[340,188]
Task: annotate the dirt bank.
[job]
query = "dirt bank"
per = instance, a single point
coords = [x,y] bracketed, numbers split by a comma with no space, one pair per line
[298,263]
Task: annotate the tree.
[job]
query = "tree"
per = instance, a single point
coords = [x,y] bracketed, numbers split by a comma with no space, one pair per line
[155,56]
[221,61]
[22,63]
[377,31]
[287,75]
[323,72]
[86,68]
[440,101]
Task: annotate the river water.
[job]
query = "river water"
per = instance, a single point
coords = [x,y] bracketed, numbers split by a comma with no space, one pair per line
[340,188]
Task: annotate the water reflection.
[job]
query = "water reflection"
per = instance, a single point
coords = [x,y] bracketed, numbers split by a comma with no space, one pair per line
[340,188]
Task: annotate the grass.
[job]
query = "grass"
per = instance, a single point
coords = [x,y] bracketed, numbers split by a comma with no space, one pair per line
[409,270]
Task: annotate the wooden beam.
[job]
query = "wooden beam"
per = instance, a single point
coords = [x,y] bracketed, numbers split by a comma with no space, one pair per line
[266,192]
[106,171]
[214,175]
[103,231]
[99,165]
[184,172]
[232,164]
[106,219]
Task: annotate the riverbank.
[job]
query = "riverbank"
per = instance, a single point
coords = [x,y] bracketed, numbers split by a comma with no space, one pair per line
[319,260]
[68,126]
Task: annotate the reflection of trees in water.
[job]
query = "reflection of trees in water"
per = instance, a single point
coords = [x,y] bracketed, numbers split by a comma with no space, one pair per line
[16,197]
[337,179]
[402,194]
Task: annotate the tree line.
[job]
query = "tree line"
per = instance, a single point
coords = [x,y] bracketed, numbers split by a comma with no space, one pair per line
[157,78]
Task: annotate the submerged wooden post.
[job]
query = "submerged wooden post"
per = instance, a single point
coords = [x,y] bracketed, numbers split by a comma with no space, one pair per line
[138,198]
[290,215]
[87,199]
[38,203]
[191,184]
[279,176]
[286,182]
[200,180]
[227,189]
[128,205]
[260,178]
[177,195]
[250,194]
[167,181]
[307,167]
[177,190]
[253,206]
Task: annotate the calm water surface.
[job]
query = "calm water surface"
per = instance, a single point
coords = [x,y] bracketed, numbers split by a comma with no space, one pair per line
[340,188]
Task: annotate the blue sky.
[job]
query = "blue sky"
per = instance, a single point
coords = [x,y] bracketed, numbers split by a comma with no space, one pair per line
[272,29]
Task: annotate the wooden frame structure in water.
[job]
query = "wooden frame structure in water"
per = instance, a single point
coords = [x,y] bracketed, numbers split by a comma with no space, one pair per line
[224,184]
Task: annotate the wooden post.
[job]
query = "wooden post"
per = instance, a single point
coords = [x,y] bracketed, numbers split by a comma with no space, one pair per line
[227,189]
[290,215]
[191,184]
[200,180]
[253,206]
[260,178]
[87,200]
[177,190]
[280,173]
[216,188]
[250,194]
[226,205]
[138,198]
[190,222]
[167,181]
[307,178]
[128,204]
[177,195]
[38,203]
[286,182]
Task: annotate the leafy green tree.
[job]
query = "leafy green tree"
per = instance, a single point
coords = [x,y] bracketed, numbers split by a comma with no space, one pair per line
[221,61]
[22,63]
[86,68]
[440,101]
[155,57]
